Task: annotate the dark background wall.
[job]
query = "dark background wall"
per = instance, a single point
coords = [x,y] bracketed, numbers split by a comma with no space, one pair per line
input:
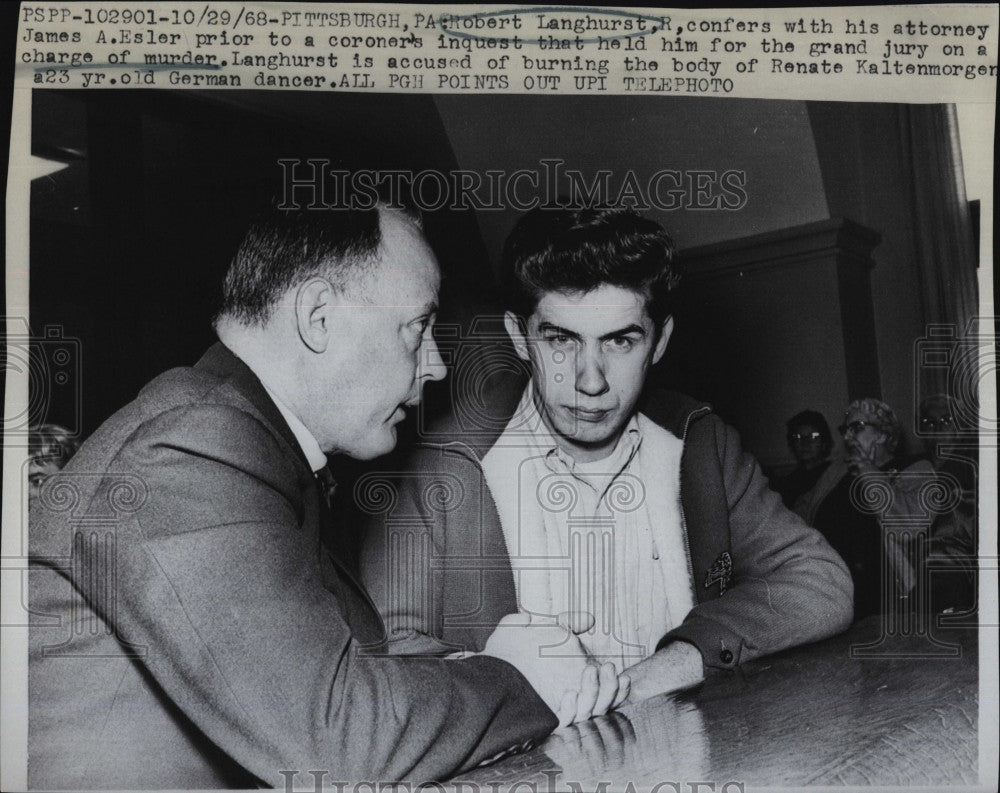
[129,243]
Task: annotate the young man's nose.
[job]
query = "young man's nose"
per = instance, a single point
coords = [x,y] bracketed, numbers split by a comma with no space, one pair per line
[590,379]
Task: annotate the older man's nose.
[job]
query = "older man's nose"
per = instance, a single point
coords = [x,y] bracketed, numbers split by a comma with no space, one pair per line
[432,366]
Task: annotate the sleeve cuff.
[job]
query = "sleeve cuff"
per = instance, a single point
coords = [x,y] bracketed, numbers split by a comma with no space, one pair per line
[720,648]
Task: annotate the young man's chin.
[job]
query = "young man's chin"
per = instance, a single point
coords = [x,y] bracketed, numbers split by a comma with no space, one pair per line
[591,436]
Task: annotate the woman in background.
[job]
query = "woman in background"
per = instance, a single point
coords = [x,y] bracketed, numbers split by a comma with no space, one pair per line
[855,519]
[810,442]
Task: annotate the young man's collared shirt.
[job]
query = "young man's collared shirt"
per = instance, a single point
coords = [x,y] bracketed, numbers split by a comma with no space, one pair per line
[603,538]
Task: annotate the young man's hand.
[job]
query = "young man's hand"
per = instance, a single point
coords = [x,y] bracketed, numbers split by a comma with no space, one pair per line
[601,689]
[677,666]
[557,666]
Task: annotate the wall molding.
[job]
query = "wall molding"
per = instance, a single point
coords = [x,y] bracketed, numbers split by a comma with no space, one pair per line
[851,243]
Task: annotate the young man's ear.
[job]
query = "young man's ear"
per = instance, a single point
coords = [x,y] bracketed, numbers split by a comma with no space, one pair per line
[661,343]
[313,304]
[516,330]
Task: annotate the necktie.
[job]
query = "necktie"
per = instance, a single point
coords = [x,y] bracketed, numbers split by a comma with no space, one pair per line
[327,487]
[329,534]
[356,605]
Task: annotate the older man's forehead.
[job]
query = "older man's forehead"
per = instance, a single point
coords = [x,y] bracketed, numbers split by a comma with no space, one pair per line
[396,224]
[405,267]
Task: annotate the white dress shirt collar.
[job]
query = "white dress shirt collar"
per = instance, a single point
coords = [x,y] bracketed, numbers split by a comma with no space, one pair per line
[307,441]
[625,449]
[623,559]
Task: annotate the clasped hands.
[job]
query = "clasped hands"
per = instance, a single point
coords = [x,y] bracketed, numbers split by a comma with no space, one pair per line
[549,654]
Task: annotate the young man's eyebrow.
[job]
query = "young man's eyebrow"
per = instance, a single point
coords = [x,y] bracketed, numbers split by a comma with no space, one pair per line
[548,327]
[624,332]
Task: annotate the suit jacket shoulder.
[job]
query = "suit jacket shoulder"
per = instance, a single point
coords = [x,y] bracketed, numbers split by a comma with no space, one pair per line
[225,647]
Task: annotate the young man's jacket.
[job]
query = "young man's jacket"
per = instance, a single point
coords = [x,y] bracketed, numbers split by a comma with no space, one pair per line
[436,562]
[190,630]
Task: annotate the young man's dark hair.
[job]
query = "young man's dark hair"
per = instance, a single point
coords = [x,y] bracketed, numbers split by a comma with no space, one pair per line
[578,250]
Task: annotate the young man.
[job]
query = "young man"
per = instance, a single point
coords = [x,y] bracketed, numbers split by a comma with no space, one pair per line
[200,628]
[651,523]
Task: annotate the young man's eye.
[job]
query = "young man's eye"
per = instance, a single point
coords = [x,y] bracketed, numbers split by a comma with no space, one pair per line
[621,343]
[558,340]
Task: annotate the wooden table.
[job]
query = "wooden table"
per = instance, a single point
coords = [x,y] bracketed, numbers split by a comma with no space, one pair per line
[811,716]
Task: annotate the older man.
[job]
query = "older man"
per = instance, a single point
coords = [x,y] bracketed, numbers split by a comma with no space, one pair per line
[194,630]
[654,523]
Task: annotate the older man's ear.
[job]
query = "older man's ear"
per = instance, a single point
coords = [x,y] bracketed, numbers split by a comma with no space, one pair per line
[313,302]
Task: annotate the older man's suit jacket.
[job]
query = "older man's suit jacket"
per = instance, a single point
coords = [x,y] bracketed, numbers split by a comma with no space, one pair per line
[437,560]
[191,630]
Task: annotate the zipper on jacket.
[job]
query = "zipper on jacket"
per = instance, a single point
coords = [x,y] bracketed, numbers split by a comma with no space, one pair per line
[684,529]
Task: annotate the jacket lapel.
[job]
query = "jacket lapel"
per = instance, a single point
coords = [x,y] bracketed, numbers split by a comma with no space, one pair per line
[511,478]
[662,452]
[220,361]
[705,510]
[358,608]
